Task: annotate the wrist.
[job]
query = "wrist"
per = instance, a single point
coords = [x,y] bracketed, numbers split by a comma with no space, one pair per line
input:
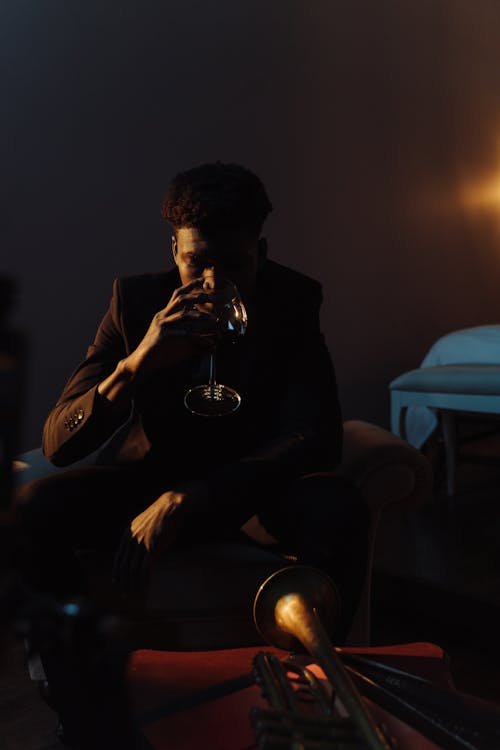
[133,367]
[140,364]
[118,388]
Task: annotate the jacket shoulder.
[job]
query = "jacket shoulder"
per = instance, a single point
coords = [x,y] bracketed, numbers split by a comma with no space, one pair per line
[278,276]
[144,283]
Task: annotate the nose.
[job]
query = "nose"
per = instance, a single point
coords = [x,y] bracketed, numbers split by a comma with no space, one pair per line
[211,278]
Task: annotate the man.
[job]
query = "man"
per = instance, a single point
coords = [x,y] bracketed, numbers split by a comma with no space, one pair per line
[166,476]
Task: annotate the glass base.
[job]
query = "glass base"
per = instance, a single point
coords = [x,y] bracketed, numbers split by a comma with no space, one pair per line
[212,400]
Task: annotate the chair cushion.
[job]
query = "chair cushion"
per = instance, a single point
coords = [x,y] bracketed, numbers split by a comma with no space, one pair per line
[207,577]
[467,379]
[202,596]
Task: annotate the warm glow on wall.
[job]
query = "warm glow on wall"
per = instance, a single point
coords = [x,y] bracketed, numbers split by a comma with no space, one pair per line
[480,195]
[483,195]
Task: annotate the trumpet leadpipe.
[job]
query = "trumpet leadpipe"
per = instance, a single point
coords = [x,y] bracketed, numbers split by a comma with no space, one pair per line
[287,608]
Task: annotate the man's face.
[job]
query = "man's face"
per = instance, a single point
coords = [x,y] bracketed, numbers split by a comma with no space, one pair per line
[231,253]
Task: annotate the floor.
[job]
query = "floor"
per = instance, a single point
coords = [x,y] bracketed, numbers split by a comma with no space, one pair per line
[440,583]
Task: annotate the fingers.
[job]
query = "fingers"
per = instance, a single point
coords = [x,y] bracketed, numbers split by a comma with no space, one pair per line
[194,293]
[149,534]
[191,323]
[188,312]
[194,284]
[190,290]
[185,302]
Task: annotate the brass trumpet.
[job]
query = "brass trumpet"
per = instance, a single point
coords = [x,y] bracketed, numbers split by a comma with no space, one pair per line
[292,605]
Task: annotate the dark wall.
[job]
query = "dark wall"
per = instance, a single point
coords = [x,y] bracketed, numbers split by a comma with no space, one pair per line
[373,125]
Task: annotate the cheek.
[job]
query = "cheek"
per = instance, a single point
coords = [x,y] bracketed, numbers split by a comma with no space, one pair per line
[186,273]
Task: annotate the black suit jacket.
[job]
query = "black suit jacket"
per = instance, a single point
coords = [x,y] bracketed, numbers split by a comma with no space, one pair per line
[289,422]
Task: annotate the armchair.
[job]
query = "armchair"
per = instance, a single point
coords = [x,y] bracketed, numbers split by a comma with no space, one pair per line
[201,597]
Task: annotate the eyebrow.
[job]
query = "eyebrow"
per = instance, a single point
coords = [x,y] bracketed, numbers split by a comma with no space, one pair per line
[220,256]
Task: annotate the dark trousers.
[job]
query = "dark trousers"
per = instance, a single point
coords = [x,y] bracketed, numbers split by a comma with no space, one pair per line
[320,517]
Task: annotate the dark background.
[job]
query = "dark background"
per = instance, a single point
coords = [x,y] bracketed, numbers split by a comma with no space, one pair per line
[374,125]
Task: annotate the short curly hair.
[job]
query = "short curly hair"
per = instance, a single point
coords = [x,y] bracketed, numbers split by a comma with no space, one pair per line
[217,196]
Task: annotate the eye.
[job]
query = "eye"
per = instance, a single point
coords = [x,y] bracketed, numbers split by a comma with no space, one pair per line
[194,260]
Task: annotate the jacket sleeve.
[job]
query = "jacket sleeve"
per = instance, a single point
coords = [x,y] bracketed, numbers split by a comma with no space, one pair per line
[309,436]
[81,421]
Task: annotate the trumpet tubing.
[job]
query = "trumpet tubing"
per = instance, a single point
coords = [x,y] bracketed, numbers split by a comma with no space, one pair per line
[290,605]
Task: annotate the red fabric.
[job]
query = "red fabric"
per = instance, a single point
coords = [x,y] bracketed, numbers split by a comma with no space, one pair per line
[158,677]
[160,681]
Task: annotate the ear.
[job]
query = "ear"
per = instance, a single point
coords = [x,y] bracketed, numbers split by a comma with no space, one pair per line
[174,249]
[262,251]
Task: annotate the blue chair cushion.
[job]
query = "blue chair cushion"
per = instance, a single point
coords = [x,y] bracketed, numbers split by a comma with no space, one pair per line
[467,379]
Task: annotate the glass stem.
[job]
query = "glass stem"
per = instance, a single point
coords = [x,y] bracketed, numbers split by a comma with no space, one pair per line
[211,376]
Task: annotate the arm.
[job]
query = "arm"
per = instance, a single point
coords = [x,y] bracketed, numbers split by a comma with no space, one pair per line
[82,419]
[98,396]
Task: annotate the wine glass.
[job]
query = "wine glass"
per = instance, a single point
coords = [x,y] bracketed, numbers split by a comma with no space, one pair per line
[214,399]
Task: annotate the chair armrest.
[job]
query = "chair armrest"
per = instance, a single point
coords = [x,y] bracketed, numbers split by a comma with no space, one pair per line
[386,468]
[33,465]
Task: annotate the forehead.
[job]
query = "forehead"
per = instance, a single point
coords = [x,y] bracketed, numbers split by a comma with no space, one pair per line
[228,241]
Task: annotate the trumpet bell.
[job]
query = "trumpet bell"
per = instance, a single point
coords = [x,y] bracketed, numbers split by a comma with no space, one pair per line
[300,605]
[311,584]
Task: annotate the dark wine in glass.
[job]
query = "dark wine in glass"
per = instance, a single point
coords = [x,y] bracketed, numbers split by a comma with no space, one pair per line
[214,399]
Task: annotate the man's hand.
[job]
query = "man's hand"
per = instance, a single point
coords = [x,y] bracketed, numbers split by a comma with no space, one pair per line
[183,328]
[178,330]
[149,533]
[152,532]
[158,526]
